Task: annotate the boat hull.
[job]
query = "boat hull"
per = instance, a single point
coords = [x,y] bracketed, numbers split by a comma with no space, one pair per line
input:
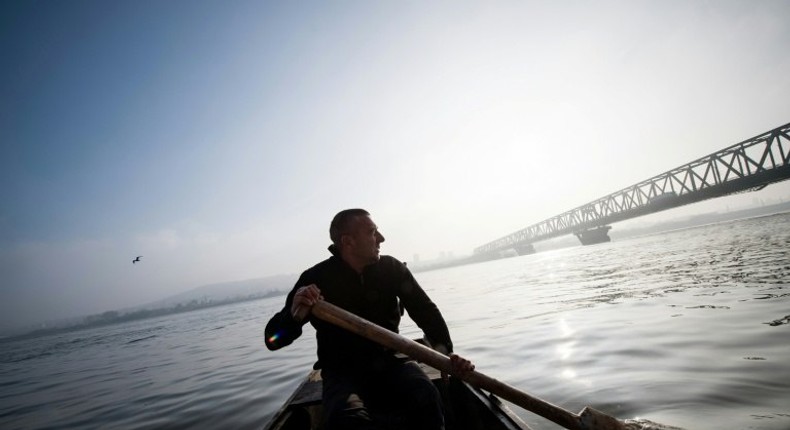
[466,407]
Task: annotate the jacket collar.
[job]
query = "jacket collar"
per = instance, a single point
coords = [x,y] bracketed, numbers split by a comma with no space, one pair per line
[336,256]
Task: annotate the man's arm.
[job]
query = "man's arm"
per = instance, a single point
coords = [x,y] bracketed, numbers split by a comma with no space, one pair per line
[424,312]
[428,317]
[286,325]
[283,329]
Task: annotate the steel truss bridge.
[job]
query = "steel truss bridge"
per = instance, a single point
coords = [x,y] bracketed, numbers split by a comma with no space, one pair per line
[746,166]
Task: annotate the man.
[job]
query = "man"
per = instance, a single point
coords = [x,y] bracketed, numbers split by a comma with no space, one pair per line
[359,376]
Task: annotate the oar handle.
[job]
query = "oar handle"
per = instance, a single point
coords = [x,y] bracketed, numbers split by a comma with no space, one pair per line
[589,419]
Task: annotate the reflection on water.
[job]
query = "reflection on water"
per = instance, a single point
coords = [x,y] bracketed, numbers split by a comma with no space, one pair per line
[673,327]
[688,328]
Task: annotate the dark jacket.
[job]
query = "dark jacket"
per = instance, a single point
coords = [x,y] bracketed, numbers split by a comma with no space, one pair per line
[374,295]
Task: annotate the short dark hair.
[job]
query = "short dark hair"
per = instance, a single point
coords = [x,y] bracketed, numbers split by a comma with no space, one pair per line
[341,223]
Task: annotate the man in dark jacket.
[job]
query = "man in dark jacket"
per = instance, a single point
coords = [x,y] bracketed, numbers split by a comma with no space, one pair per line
[359,376]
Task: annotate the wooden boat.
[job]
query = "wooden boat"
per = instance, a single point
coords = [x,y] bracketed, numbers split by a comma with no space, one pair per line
[466,407]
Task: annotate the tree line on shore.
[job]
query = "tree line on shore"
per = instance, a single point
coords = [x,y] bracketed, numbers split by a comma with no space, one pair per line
[117,317]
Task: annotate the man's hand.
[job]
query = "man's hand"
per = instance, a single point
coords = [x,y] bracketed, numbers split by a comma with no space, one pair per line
[460,366]
[304,299]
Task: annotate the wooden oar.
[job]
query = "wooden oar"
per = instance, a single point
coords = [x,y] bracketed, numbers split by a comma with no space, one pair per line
[587,419]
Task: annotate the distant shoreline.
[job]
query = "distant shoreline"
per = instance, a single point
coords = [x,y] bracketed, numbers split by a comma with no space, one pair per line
[116,317]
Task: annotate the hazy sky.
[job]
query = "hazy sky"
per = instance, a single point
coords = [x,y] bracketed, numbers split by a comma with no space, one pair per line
[217,139]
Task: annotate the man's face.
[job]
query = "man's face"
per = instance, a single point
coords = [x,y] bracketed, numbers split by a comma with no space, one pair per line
[365,240]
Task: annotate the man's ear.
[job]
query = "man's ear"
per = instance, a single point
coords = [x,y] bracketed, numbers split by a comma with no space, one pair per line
[346,240]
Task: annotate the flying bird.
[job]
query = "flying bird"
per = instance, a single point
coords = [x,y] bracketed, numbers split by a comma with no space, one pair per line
[137,259]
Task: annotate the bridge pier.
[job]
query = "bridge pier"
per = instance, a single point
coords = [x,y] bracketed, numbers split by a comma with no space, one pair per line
[595,235]
[525,249]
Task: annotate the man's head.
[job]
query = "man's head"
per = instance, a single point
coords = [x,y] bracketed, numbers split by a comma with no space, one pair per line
[356,237]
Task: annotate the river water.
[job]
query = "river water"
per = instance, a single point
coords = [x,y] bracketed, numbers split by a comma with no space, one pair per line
[687,328]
